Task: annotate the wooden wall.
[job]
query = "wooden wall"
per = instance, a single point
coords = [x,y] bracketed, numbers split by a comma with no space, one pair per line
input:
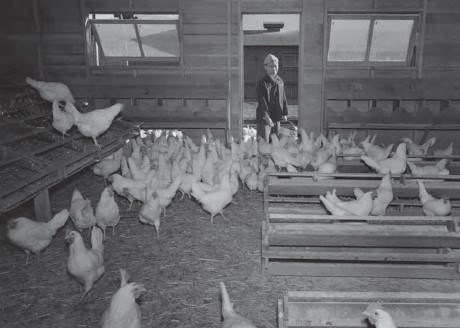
[46,39]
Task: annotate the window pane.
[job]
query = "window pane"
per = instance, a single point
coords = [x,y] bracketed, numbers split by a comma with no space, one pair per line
[348,40]
[118,40]
[159,40]
[390,40]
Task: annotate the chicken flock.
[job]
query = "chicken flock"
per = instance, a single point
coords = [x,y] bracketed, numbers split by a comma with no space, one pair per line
[152,170]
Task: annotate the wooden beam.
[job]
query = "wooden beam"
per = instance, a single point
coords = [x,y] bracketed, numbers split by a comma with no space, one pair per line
[42,206]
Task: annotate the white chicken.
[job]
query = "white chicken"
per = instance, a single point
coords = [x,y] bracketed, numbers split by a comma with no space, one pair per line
[151,211]
[384,196]
[395,165]
[124,312]
[93,124]
[107,211]
[81,211]
[437,169]
[280,155]
[359,207]
[62,121]
[33,236]
[433,206]
[445,152]
[109,164]
[51,91]
[231,318]
[86,265]
[215,200]
[415,149]
[376,152]
[378,317]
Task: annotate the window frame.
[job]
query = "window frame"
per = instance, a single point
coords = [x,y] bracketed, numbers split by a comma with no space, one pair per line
[149,61]
[411,61]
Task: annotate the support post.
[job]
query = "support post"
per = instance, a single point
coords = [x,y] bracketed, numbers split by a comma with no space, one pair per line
[42,206]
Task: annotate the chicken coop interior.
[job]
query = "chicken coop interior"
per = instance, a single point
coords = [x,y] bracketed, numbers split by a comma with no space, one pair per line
[137,192]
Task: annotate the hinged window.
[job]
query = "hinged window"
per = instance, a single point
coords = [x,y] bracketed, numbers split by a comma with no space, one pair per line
[132,39]
[372,39]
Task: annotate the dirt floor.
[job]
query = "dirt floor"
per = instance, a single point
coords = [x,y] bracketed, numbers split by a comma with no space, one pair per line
[180,270]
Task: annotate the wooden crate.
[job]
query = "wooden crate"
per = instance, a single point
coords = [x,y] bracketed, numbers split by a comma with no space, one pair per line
[297,242]
[302,187]
[315,309]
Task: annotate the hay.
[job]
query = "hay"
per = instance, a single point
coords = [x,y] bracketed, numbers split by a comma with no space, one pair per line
[181,270]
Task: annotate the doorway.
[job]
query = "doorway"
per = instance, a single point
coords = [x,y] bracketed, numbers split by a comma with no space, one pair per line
[279,35]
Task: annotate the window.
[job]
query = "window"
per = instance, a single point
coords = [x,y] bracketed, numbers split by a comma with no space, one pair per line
[372,39]
[132,39]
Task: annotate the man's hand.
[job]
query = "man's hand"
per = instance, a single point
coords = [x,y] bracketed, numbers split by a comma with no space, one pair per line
[269,121]
[284,118]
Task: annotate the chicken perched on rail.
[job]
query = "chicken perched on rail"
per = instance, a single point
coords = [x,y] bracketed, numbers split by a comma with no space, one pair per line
[124,312]
[415,149]
[433,206]
[62,121]
[437,169]
[214,200]
[231,318]
[395,164]
[378,316]
[33,236]
[93,124]
[360,207]
[51,91]
[81,211]
[445,152]
[376,152]
[384,196]
[86,265]
[109,164]
[107,211]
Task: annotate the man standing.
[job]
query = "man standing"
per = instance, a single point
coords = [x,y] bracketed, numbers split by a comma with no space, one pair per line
[271,100]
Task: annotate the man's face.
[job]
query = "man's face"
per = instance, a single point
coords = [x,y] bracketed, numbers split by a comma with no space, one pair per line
[271,69]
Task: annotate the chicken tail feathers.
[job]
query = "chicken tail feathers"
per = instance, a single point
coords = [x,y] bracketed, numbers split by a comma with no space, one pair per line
[58,220]
[227,305]
[33,83]
[422,193]
[371,162]
[124,277]
[96,239]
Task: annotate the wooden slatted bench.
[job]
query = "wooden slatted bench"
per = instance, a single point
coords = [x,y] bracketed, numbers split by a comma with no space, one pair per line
[296,242]
[317,309]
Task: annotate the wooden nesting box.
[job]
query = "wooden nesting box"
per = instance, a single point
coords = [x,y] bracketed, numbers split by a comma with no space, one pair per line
[344,309]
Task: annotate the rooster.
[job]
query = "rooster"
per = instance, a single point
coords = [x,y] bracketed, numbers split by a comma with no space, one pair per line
[62,121]
[86,265]
[231,318]
[33,236]
[433,206]
[124,311]
[394,165]
[51,91]
[94,123]
[379,317]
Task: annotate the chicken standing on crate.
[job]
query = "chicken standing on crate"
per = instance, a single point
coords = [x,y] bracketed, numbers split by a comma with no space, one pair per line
[231,318]
[395,164]
[86,265]
[124,312]
[378,316]
[51,91]
[62,121]
[360,207]
[33,236]
[93,124]
[433,206]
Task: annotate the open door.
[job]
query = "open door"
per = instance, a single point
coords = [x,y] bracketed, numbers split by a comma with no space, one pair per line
[279,35]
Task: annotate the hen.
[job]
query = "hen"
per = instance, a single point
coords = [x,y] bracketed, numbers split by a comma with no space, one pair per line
[215,200]
[280,155]
[107,211]
[445,152]
[151,210]
[375,151]
[433,206]
[51,91]
[124,311]
[109,164]
[33,236]
[378,317]
[86,265]
[231,318]
[438,168]
[384,196]
[395,164]
[62,121]
[81,211]
[360,207]
[93,124]
[414,149]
